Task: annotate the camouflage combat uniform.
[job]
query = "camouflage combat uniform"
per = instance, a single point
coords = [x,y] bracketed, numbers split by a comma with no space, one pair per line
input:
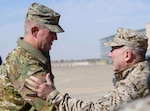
[130,84]
[21,63]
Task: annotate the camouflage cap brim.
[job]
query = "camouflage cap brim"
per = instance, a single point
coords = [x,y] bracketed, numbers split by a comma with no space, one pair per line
[55,28]
[114,43]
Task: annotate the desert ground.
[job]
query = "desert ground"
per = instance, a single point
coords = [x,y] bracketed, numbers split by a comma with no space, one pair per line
[84,82]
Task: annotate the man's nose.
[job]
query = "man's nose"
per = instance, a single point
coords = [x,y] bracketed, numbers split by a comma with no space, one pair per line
[109,54]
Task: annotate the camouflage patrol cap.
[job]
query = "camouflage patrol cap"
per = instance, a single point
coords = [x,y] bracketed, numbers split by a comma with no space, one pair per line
[129,38]
[44,15]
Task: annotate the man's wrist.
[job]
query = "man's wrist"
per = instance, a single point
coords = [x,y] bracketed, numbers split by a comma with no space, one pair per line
[52,96]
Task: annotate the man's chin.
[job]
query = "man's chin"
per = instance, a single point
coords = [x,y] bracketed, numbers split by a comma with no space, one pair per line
[48,49]
[114,69]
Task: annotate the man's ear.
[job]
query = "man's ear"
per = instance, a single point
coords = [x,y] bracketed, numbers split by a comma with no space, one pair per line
[128,55]
[34,30]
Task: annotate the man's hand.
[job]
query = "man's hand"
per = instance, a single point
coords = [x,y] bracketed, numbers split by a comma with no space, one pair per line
[42,89]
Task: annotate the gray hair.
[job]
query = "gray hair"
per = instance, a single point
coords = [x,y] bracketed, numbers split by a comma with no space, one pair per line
[140,52]
[28,25]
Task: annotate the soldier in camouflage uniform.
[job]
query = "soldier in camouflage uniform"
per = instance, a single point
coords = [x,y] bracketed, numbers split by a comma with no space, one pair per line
[131,72]
[30,57]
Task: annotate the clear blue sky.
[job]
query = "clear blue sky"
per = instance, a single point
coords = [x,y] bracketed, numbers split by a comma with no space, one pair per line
[84,22]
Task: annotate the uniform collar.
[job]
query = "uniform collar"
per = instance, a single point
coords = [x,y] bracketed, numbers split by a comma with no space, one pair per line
[35,52]
[123,74]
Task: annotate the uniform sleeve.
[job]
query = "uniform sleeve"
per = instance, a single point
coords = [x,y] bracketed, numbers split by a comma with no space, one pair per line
[123,92]
[15,72]
[35,69]
[10,99]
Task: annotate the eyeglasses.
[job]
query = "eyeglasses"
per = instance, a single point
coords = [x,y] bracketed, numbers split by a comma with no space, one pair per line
[116,47]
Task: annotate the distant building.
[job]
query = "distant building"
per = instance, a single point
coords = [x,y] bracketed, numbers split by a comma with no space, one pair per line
[105,50]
